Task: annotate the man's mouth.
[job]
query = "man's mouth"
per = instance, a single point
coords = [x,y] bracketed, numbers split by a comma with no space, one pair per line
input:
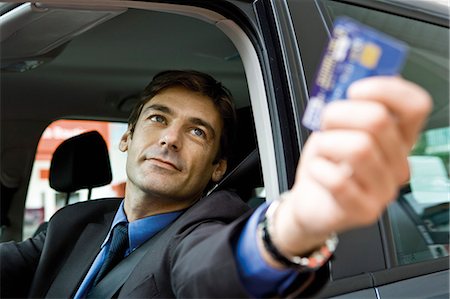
[164,163]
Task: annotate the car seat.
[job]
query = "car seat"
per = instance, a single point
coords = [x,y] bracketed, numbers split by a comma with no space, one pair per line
[244,176]
[80,162]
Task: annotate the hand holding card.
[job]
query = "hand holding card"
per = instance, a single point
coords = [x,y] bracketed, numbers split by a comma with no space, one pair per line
[351,169]
[354,52]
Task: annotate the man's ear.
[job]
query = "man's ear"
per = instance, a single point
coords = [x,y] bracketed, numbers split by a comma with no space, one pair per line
[126,137]
[219,171]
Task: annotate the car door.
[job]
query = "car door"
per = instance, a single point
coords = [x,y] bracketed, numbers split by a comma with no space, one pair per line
[405,254]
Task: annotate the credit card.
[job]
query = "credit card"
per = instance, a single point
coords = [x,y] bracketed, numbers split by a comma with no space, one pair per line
[354,51]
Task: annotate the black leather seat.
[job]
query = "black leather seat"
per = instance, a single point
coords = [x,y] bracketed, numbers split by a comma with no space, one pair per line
[245,175]
[244,178]
[80,162]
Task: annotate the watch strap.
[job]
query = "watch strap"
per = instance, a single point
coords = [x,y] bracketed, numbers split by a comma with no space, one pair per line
[310,262]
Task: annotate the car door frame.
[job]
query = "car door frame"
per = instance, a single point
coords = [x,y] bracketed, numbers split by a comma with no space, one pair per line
[375,241]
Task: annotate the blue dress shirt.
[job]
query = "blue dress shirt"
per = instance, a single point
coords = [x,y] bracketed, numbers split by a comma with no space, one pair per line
[139,231]
[258,278]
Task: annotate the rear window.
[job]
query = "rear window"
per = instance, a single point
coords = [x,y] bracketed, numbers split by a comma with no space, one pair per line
[42,201]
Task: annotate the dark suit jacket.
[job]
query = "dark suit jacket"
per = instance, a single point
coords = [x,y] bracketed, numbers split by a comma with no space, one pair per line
[193,257]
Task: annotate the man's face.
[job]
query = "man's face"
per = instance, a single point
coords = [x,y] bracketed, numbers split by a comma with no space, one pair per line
[173,146]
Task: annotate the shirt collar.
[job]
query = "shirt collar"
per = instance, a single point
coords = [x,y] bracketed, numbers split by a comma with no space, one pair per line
[143,229]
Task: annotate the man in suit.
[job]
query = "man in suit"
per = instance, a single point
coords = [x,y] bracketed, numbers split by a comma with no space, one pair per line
[186,244]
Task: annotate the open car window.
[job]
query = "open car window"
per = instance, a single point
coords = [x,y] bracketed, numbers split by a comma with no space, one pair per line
[419,219]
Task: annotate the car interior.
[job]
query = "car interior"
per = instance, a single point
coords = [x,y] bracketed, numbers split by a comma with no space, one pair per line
[80,162]
[67,62]
[89,62]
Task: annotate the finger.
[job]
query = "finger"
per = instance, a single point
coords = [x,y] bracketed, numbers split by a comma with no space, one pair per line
[407,101]
[359,151]
[374,118]
[353,200]
[335,177]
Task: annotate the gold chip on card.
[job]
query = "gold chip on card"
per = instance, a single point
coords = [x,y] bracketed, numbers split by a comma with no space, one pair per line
[370,55]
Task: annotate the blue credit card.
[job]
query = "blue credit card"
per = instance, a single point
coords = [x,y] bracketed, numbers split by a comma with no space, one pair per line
[354,51]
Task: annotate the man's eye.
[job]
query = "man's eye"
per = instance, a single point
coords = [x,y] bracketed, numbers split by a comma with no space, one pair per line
[199,132]
[157,118]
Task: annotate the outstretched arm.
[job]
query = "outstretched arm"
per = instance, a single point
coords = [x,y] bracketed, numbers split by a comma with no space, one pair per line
[350,170]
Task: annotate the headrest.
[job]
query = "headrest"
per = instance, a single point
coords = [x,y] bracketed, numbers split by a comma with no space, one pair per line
[80,162]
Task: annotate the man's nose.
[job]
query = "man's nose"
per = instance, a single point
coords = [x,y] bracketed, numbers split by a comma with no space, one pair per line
[171,138]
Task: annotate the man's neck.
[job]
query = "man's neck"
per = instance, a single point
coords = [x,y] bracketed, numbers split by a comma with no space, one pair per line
[139,205]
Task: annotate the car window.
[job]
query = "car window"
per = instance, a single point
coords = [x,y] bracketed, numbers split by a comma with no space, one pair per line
[419,219]
[42,201]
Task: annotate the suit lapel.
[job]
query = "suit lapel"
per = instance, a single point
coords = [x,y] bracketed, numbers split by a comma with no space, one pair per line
[80,259]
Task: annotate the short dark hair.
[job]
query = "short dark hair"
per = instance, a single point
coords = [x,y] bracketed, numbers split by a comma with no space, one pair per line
[197,82]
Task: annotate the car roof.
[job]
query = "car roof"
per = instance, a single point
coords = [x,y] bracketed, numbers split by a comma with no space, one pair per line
[96,67]
[114,60]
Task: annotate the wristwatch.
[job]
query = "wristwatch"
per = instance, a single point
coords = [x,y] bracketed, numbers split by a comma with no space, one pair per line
[310,261]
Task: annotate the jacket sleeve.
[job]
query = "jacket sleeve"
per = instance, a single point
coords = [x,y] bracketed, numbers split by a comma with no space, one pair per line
[18,263]
[205,266]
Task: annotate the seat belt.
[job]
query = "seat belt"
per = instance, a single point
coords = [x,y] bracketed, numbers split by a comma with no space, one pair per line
[115,278]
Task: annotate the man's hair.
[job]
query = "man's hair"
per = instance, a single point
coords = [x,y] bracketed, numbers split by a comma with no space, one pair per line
[197,82]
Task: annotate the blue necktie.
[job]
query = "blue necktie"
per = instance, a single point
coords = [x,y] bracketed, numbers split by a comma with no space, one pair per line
[117,248]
